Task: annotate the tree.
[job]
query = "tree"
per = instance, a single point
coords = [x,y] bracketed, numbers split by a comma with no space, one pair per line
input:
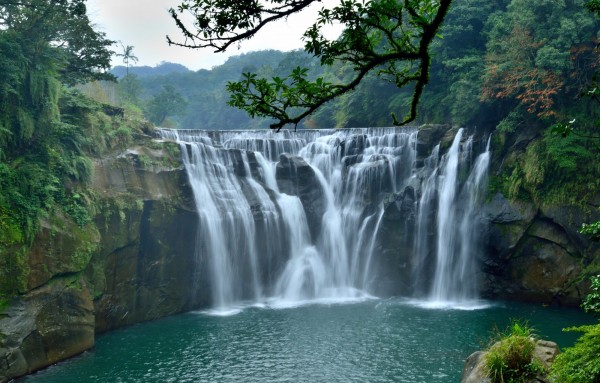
[388,37]
[130,88]
[58,31]
[538,55]
[44,43]
[127,55]
[166,103]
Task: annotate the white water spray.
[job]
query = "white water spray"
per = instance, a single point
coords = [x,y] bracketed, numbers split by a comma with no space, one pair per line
[257,240]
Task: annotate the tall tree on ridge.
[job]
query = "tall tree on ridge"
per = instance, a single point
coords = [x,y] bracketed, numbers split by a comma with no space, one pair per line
[127,55]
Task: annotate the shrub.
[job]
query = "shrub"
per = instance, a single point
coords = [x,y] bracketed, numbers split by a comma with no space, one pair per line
[591,303]
[511,358]
[581,363]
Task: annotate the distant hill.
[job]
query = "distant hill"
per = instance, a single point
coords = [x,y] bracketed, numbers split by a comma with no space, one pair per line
[206,97]
[164,68]
[204,90]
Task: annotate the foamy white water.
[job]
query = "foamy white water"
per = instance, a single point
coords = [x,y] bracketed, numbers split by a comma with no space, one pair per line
[266,247]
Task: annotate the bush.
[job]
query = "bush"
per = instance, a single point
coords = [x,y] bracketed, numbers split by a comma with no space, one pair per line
[511,358]
[591,303]
[581,363]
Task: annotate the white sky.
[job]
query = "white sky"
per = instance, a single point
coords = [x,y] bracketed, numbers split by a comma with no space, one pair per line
[144,25]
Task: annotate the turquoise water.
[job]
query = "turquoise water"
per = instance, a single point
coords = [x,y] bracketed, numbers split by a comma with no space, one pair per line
[370,341]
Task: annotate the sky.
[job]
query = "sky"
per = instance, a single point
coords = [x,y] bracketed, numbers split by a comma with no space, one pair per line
[144,24]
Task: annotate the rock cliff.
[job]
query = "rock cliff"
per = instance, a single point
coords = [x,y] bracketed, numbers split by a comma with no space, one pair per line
[534,253]
[133,263]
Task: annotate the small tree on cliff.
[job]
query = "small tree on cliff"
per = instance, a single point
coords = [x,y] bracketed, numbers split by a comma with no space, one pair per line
[168,102]
[388,37]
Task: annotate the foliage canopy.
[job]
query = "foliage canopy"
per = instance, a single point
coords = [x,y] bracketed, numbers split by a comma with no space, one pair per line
[59,32]
[167,102]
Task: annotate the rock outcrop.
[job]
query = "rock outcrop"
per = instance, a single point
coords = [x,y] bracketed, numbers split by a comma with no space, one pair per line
[47,325]
[395,263]
[535,254]
[145,266]
[474,372]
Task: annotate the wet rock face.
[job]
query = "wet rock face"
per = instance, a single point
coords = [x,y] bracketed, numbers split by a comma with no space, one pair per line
[534,254]
[429,136]
[395,263]
[45,326]
[354,145]
[147,266]
[134,263]
[60,247]
[296,177]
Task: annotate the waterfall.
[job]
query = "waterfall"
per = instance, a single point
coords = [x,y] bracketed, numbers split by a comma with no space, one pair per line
[454,277]
[293,217]
[446,221]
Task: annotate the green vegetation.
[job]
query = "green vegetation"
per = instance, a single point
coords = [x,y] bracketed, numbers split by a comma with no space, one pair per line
[513,64]
[167,102]
[591,229]
[47,46]
[49,131]
[203,91]
[4,303]
[552,170]
[511,358]
[581,363]
[592,301]
[546,69]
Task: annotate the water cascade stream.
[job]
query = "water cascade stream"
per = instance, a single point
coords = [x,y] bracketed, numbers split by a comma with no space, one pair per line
[454,280]
[293,217]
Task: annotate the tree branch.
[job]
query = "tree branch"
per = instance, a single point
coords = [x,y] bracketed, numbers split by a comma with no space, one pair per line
[396,34]
[213,34]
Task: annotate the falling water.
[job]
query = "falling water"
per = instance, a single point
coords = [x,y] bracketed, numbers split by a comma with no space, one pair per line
[454,278]
[446,220]
[290,217]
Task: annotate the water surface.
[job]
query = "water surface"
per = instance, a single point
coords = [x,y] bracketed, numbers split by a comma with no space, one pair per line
[370,341]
